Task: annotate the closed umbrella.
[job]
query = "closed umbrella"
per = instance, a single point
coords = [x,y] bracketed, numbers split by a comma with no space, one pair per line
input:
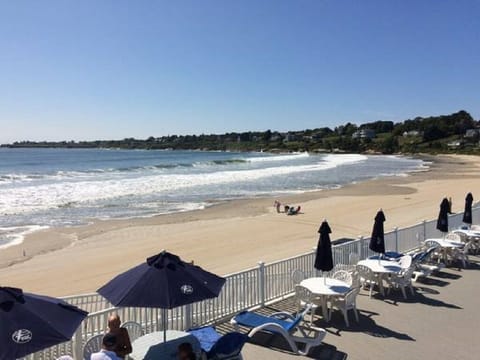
[324,258]
[442,222]
[467,214]
[30,323]
[163,281]
[377,240]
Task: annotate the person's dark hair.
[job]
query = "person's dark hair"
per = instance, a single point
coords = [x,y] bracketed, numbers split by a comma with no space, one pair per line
[186,351]
[109,340]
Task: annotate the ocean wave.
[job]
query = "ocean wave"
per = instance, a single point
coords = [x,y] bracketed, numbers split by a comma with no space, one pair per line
[285,157]
[14,235]
[30,198]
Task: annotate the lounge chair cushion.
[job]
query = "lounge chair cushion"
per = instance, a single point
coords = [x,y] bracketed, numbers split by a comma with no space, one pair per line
[207,336]
[252,320]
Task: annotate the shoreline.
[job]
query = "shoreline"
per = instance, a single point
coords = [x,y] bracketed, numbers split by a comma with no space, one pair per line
[234,234]
[28,236]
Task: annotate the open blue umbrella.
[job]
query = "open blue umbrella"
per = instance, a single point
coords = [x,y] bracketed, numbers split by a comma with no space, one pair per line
[377,240]
[324,258]
[467,214]
[163,281]
[30,323]
[442,221]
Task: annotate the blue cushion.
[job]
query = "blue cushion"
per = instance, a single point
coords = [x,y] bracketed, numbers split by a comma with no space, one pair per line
[228,345]
[207,336]
[250,319]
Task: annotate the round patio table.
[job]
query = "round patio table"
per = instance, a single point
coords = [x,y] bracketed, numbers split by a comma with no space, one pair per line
[324,288]
[382,268]
[151,346]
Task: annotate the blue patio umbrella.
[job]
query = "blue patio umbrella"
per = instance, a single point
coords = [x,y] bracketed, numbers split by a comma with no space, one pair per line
[163,281]
[30,323]
[324,257]
[467,214]
[377,240]
[442,221]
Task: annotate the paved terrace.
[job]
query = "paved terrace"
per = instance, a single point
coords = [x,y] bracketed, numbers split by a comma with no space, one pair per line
[441,321]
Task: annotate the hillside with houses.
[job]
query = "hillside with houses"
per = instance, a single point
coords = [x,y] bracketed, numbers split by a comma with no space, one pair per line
[457,132]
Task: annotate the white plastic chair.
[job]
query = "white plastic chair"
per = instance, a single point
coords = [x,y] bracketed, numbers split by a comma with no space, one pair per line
[344,276]
[297,276]
[345,303]
[405,261]
[402,280]
[93,345]
[367,277]
[453,237]
[305,299]
[134,330]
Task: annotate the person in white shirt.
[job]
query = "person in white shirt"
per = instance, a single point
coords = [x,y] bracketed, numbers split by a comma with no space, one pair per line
[109,343]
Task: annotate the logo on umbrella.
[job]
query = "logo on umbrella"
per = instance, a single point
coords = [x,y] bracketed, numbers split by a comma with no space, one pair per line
[22,336]
[187,289]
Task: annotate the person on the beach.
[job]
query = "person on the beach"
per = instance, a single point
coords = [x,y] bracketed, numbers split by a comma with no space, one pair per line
[286,208]
[185,352]
[123,345]
[109,343]
[277,205]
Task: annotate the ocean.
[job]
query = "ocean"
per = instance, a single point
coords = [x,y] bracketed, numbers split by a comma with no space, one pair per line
[41,188]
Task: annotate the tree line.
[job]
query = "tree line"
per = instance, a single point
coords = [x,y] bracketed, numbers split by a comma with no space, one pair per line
[421,134]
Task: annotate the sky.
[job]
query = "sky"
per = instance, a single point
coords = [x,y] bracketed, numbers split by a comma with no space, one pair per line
[73,70]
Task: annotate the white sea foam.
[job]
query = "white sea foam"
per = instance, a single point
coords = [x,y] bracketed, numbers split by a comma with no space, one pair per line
[14,235]
[67,193]
[286,157]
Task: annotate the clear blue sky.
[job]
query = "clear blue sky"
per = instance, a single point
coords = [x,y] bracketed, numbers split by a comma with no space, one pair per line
[114,69]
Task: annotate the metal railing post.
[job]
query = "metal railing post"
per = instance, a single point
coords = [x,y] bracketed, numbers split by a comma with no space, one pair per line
[188,317]
[396,238]
[261,282]
[360,247]
[424,230]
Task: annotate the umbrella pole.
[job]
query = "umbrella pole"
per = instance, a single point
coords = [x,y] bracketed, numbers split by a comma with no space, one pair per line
[164,324]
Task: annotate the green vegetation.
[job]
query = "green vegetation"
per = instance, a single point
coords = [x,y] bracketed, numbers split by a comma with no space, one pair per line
[457,132]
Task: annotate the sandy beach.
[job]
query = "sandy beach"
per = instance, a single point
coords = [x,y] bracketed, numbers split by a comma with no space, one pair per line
[230,236]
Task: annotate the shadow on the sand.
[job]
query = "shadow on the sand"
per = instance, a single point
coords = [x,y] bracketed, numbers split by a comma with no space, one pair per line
[365,325]
[278,343]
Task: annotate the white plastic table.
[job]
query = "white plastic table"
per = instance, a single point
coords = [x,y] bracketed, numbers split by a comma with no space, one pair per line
[151,346]
[446,246]
[382,268]
[325,287]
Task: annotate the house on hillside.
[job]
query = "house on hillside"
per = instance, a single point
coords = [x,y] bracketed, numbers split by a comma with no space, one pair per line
[472,133]
[412,133]
[364,134]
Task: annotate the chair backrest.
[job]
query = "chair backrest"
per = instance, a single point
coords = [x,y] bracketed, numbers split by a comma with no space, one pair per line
[353,258]
[355,279]
[431,243]
[351,296]
[297,276]
[134,329]
[365,272]
[228,346]
[343,275]
[93,345]
[407,274]
[303,294]
[453,237]
[405,261]
[463,237]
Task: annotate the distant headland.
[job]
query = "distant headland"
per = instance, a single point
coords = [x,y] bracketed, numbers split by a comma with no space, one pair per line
[454,133]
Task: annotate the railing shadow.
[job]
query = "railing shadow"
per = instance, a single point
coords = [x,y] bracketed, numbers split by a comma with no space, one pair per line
[366,325]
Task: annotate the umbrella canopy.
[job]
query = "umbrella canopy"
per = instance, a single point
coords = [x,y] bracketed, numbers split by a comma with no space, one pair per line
[377,240]
[442,222]
[467,214]
[31,323]
[163,281]
[324,258]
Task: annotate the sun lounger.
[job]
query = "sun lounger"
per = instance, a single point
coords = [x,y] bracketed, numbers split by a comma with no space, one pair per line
[282,324]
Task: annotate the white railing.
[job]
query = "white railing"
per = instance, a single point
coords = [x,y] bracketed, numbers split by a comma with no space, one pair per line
[243,290]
